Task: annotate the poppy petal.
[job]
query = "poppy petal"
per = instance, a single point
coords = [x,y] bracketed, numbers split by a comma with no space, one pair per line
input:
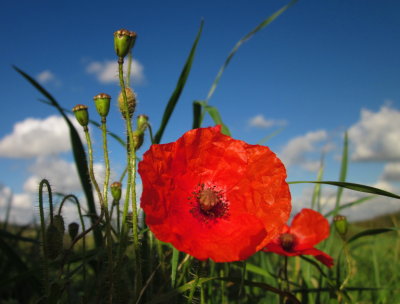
[310,228]
[320,256]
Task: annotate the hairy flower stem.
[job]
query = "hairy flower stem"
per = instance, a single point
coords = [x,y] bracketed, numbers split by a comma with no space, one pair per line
[103,207]
[43,230]
[131,178]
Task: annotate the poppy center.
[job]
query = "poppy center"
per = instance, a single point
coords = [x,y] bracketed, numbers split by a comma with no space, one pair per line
[208,198]
[208,203]
[287,241]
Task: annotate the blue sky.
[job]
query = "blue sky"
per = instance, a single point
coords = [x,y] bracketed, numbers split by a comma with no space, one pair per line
[321,68]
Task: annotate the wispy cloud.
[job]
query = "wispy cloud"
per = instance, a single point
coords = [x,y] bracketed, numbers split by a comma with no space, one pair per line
[376,136]
[106,72]
[47,77]
[259,121]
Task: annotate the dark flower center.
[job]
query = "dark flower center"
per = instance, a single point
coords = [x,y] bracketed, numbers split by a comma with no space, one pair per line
[287,241]
[209,203]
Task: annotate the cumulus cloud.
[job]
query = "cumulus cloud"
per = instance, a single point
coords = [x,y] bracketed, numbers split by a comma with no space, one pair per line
[20,206]
[259,121]
[391,172]
[37,137]
[376,136]
[297,151]
[46,77]
[62,175]
[107,71]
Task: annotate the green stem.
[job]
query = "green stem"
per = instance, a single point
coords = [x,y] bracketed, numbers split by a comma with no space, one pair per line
[43,229]
[103,207]
[131,178]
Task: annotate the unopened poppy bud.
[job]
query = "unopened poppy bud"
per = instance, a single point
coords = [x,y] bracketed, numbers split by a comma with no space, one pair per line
[73,229]
[81,114]
[54,241]
[131,99]
[102,102]
[138,138]
[58,221]
[123,42]
[116,190]
[341,225]
[142,122]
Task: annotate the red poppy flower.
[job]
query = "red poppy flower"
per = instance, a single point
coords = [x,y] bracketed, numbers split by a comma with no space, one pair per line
[308,229]
[212,196]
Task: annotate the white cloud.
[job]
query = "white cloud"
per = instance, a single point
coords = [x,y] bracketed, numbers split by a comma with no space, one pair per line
[22,209]
[260,121]
[36,137]
[376,136]
[391,172]
[62,175]
[297,150]
[47,77]
[107,71]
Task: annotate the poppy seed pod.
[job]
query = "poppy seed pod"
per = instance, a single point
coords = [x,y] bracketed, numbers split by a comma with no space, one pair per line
[142,122]
[54,241]
[81,114]
[58,221]
[138,138]
[123,42]
[116,190]
[73,229]
[341,225]
[131,99]
[102,102]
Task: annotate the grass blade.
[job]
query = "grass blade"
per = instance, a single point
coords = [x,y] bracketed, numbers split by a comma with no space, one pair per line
[217,119]
[317,189]
[348,205]
[259,27]
[174,265]
[78,152]
[263,140]
[371,232]
[343,170]
[196,114]
[351,186]
[178,89]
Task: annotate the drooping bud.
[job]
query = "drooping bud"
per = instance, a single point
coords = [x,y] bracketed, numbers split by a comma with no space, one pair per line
[102,102]
[81,114]
[116,190]
[54,241]
[138,138]
[58,221]
[142,122]
[131,99]
[73,229]
[341,225]
[287,241]
[123,42]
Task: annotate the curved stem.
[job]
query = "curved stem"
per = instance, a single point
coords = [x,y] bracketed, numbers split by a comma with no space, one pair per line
[43,230]
[78,205]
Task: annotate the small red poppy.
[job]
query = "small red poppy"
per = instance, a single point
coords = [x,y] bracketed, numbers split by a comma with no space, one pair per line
[212,196]
[308,229]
